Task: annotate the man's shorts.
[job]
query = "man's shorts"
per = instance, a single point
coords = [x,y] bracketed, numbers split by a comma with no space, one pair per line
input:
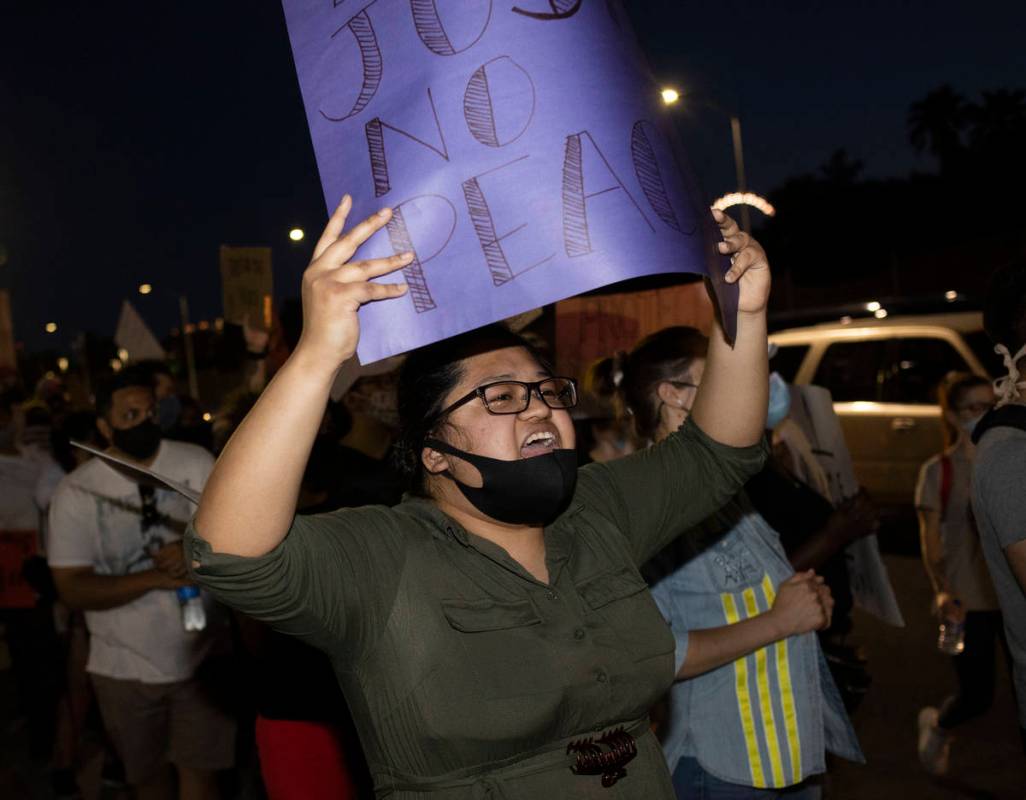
[150,724]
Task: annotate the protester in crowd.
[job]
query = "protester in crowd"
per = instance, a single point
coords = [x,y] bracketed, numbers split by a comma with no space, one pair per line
[307,744]
[362,471]
[165,391]
[954,562]
[807,493]
[116,553]
[492,633]
[737,608]
[76,695]
[603,432]
[999,474]
[26,616]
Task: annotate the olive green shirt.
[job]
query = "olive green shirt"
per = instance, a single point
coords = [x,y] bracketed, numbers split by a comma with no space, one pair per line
[467,677]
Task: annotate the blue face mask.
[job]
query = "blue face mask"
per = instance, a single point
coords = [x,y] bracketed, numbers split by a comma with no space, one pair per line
[779,400]
[970,425]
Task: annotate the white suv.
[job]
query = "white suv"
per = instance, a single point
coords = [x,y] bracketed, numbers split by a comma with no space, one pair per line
[883,375]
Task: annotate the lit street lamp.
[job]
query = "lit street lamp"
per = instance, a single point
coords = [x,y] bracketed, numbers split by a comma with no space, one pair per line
[145,288]
[296,234]
[670,96]
[50,327]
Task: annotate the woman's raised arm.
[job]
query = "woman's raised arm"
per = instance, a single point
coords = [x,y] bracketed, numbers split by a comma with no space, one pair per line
[250,499]
[730,406]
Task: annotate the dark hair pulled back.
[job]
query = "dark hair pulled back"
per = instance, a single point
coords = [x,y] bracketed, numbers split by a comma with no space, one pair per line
[951,394]
[426,378]
[661,356]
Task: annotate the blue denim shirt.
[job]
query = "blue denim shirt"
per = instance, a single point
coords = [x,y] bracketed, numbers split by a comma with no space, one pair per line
[766,719]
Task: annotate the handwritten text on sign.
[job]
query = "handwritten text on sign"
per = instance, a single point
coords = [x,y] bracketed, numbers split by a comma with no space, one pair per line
[519,144]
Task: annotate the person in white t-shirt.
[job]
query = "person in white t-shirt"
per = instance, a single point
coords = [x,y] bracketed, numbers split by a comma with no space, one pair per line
[115,550]
[954,562]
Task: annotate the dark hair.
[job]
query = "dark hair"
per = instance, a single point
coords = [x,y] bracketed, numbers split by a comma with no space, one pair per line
[80,426]
[658,357]
[950,394]
[133,377]
[153,368]
[1004,311]
[426,378]
[600,389]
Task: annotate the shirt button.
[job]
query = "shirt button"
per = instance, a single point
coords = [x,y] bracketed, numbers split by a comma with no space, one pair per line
[579,634]
[601,676]
[553,596]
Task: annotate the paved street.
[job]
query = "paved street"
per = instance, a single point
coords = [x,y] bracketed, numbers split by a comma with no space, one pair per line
[909,673]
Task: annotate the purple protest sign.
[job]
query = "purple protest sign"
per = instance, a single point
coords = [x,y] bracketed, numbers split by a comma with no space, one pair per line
[521,146]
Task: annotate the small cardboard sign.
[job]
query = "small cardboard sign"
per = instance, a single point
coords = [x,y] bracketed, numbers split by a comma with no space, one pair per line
[247,281]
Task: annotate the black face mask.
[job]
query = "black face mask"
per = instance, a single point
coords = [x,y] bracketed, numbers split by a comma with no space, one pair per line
[140,441]
[524,491]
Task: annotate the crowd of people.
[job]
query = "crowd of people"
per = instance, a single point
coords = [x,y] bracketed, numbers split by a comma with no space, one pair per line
[494,581]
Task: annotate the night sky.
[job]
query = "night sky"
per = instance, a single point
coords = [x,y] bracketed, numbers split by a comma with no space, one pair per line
[138,137]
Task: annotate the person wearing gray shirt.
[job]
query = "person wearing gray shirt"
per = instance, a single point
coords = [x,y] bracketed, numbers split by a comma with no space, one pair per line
[999,478]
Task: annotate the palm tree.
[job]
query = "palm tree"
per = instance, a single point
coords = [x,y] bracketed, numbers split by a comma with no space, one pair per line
[841,168]
[935,125]
[1000,117]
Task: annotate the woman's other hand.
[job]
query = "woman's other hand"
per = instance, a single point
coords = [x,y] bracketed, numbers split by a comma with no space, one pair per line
[749,267]
[334,288]
[803,604]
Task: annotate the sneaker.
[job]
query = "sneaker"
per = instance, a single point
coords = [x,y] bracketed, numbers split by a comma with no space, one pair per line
[934,743]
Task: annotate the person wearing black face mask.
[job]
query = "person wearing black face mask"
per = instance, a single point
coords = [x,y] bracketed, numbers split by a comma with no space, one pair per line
[492,632]
[115,551]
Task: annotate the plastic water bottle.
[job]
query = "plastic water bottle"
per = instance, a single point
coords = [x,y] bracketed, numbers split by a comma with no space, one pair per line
[194,617]
[951,637]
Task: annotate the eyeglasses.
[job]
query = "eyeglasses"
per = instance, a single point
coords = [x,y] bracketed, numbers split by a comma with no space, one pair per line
[512,397]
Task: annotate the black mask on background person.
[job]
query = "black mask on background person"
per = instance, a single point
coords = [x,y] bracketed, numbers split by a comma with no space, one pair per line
[520,492]
[140,441]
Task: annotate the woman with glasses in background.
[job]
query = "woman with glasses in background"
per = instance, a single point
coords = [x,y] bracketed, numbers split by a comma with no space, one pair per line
[492,633]
[963,594]
[754,709]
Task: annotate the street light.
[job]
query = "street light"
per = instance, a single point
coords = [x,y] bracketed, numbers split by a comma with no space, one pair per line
[145,288]
[51,327]
[670,96]
[296,234]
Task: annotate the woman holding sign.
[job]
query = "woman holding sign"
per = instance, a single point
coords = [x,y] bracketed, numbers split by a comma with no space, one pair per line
[492,633]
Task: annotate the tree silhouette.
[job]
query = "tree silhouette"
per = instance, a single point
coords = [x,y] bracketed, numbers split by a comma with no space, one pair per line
[1000,117]
[936,124]
[841,168]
